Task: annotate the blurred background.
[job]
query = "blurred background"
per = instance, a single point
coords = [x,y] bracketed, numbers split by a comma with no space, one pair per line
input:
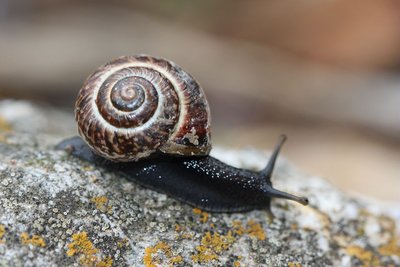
[326,73]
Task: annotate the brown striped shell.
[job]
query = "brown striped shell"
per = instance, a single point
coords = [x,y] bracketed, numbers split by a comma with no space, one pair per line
[136,106]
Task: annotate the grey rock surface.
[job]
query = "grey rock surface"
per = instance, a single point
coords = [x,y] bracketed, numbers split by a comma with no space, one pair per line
[56,210]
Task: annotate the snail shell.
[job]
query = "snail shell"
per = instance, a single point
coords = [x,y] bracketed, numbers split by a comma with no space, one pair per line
[138,106]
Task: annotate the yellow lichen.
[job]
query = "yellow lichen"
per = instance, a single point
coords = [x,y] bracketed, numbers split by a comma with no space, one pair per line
[83,247]
[176,260]
[211,246]
[255,229]
[178,228]
[294,264]
[101,203]
[35,240]
[81,244]
[4,125]
[187,236]
[181,232]
[237,262]
[204,215]
[392,248]
[106,262]
[197,211]
[365,256]
[204,255]
[2,233]
[238,228]
[122,243]
[152,259]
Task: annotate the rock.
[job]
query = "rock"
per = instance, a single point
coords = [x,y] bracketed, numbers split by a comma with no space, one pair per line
[56,210]
[23,116]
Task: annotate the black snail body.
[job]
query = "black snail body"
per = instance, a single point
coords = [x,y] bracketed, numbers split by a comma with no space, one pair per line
[170,153]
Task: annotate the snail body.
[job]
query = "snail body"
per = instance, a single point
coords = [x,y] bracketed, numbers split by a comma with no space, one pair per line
[148,119]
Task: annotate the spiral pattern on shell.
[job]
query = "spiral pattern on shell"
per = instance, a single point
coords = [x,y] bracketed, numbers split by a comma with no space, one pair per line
[137,106]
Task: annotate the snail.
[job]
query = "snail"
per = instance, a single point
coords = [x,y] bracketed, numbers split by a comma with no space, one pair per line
[150,120]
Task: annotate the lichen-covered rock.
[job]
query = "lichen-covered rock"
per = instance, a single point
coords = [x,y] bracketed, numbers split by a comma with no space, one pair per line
[56,210]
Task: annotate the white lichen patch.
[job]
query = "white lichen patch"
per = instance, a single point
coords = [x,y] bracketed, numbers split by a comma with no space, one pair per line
[192,137]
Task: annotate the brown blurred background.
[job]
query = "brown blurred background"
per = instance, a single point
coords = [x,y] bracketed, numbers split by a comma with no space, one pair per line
[326,73]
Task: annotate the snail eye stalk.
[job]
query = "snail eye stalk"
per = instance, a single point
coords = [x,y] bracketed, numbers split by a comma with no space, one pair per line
[267,171]
[269,191]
